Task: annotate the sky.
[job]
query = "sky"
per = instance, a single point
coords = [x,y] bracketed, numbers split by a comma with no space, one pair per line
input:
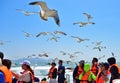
[105,13]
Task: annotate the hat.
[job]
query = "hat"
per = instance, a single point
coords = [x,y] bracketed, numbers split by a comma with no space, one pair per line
[26,62]
[82,62]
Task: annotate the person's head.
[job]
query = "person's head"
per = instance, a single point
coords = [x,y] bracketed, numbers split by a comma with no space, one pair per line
[7,63]
[94,61]
[106,66]
[111,60]
[1,55]
[26,66]
[81,63]
[44,79]
[53,64]
[60,62]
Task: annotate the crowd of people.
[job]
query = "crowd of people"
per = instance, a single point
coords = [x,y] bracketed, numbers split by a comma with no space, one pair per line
[104,72]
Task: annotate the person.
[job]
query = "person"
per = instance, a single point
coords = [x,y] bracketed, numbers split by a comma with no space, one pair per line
[94,67]
[114,68]
[61,72]
[44,80]
[86,76]
[27,76]
[4,68]
[2,79]
[103,74]
[78,69]
[52,73]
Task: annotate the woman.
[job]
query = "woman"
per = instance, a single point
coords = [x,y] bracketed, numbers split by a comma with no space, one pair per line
[27,76]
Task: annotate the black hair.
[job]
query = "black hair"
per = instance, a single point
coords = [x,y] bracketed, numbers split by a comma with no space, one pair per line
[61,61]
[1,55]
[111,60]
[7,63]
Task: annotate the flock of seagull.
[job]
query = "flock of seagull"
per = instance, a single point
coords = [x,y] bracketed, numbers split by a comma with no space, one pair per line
[45,13]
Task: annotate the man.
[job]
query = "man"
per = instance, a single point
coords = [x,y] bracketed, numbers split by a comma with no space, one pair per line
[52,73]
[114,69]
[77,71]
[61,72]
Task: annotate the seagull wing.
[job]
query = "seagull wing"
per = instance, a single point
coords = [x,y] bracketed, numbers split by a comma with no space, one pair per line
[56,18]
[41,3]
[20,10]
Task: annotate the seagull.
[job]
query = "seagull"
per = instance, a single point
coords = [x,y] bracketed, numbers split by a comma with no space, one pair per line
[54,38]
[99,47]
[71,55]
[97,43]
[45,54]
[82,24]
[27,34]
[63,53]
[26,12]
[60,32]
[3,42]
[79,39]
[42,33]
[46,12]
[91,23]
[101,57]
[112,54]
[88,16]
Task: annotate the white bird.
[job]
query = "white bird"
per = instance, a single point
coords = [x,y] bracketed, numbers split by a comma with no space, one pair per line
[91,23]
[112,54]
[43,33]
[82,24]
[88,16]
[71,55]
[79,39]
[63,53]
[101,57]
[26,12]
[99,47]
[46,12]
[60,32]
[55,38]
[97,43]
[27,34]
[3,42]
[41,55]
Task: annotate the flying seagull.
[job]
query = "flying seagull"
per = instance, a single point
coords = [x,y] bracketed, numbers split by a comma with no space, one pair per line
[97,43]
[45,54]
[82,24]
[46,12]
[60,32]
[27,34]
[63,53]
[26,12]
[88,16]
[42,33]
[79,39]
[3,42]
[54,38]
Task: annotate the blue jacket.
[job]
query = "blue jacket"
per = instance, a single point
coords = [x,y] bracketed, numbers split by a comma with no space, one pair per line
[2,79]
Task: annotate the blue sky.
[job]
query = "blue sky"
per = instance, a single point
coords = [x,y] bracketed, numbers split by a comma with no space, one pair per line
[105,14]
